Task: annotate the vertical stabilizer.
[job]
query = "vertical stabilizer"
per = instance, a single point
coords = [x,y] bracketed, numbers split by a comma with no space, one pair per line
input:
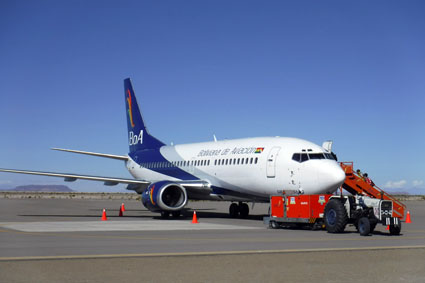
[138,136]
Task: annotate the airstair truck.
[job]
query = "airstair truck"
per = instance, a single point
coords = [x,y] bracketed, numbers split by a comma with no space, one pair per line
[365,207]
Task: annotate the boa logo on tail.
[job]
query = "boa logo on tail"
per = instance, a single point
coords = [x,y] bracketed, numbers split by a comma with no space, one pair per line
[134,138]
[130,108]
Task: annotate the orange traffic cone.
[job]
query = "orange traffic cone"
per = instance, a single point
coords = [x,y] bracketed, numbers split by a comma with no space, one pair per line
[194,219]
[388,227]
[408,217]
[122,207]
[120,214]
[104,215]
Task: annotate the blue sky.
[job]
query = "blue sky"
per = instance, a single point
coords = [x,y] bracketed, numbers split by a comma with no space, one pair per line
[349,71]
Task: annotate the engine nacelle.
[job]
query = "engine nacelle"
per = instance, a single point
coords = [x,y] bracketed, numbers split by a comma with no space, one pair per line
[164,195]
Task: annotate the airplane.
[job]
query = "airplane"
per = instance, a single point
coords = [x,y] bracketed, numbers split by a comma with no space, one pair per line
[237,170]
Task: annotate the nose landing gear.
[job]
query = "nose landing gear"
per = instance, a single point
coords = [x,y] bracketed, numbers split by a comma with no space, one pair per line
[240,209]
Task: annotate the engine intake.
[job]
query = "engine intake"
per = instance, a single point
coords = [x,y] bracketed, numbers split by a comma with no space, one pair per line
[164,195]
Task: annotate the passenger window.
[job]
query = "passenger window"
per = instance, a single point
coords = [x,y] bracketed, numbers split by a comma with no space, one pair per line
[242,160]
[250,162]
[227,161]
[256,160]
[246,161]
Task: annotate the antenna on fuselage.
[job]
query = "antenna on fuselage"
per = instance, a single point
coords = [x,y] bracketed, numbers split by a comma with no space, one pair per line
[215,139]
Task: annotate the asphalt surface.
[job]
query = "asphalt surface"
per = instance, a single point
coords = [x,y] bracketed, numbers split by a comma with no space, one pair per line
[51,240]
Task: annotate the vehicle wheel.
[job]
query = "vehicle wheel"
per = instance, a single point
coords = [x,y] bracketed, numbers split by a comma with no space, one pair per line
[234,210]
[176,214]
[335,216]
[165,214]
[364,226]
[273,224]
[395,230]
[243,210]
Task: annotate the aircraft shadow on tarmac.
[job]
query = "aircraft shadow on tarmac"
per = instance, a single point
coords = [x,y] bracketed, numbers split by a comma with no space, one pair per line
[113,213]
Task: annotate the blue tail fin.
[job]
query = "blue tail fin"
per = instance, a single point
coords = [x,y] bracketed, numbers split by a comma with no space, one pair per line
[138,136]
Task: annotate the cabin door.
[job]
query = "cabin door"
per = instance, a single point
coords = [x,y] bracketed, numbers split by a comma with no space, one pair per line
[271,162]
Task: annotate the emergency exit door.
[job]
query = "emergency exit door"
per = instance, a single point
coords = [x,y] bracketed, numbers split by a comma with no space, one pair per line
[271,162]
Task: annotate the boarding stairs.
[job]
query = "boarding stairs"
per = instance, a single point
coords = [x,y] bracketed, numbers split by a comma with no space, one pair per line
[356,185]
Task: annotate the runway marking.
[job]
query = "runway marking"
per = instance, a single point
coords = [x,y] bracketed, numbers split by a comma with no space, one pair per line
[210,253]
[94,226]
[203,239]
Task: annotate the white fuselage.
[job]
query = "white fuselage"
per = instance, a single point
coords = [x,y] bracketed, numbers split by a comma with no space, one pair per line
[252,166]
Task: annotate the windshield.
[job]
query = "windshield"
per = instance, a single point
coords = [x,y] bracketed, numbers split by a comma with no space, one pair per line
[302,157]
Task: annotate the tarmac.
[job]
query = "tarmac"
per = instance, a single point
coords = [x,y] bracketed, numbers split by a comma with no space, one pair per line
[51,240]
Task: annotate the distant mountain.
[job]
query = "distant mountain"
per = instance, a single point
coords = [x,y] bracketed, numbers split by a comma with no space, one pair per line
[42,188]
[406,191]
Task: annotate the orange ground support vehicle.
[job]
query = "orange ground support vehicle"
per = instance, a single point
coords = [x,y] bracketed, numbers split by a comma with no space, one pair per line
[364,208]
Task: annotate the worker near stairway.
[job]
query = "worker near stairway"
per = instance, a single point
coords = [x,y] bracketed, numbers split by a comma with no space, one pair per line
[368,180]
[359,173]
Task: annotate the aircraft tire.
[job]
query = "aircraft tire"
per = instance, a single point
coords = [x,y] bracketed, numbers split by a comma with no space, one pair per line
[165,214]
[364,226]
[243,210]
[234,210]
[335,216]
[176,214]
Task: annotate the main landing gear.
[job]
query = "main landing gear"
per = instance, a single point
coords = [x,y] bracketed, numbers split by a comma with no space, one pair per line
[240,209]
[166,214]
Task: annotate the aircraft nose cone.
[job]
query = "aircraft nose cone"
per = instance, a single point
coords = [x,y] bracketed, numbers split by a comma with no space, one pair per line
[331,177]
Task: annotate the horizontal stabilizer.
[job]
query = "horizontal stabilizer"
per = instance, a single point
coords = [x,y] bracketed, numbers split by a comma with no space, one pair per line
[112,156]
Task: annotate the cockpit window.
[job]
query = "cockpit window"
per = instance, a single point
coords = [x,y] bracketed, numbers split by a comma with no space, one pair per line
[296,157]
[329,156]
[316,156]
[301,157]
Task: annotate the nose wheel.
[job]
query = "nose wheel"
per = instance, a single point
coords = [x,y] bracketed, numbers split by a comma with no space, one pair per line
[240,209]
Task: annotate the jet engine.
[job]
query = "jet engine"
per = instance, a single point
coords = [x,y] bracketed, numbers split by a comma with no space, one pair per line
[164,196]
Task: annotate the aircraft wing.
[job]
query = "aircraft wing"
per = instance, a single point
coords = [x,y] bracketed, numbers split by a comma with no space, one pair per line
[193,187]
[73,177]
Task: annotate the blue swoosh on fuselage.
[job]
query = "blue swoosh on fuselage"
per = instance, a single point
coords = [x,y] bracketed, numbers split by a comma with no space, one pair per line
[154,155]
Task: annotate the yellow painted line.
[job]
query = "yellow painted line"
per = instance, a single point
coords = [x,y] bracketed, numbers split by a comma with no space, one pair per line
[239,240]
[211,253]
